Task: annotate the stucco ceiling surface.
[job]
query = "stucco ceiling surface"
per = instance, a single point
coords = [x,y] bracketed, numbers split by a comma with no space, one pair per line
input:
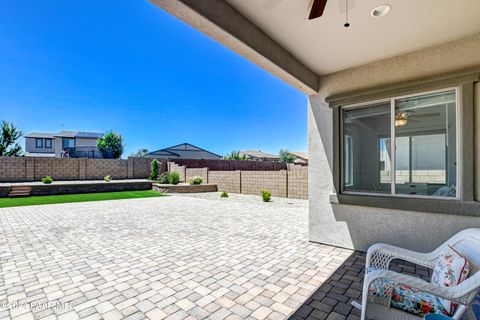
[325,45]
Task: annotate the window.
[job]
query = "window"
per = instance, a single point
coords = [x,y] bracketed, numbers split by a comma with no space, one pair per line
[68,143]
[421,161]
[38,142]
[48,143]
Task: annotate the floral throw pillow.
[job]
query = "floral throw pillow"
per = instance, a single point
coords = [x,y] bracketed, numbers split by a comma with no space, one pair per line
[450,269]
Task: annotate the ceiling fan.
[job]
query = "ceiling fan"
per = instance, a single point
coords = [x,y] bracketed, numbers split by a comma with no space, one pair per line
[316,7]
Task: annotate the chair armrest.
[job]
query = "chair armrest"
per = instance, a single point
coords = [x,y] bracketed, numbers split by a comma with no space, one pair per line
[380,255]
[422,285]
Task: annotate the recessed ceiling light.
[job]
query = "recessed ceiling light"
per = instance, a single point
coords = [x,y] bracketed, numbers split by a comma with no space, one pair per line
[380,11]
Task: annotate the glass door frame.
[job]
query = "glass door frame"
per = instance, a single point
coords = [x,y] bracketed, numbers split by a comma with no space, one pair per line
[458,132]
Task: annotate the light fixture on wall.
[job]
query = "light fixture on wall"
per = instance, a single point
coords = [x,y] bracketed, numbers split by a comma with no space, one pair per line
[401,119]
[382,10]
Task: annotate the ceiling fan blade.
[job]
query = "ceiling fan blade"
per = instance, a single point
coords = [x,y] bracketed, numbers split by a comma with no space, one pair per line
[434,114]
[317,9]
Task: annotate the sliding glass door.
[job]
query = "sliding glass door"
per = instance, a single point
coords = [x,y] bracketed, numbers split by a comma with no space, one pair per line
[421,161]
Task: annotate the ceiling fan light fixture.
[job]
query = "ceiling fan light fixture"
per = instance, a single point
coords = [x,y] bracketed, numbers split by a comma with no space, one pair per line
[381,11]
[401,119]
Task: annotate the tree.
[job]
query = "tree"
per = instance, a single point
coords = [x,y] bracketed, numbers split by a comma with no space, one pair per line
[9,134]
[154,170]
[111,145]
[141,153]
[286,156]
[235,155]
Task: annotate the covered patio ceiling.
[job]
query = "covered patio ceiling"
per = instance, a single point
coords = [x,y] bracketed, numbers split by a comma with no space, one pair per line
[277,36]
[324,45]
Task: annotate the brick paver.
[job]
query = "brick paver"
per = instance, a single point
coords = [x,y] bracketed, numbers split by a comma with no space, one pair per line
[171,257]
[332,300]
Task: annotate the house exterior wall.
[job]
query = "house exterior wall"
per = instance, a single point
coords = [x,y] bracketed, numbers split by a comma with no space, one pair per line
[57,145]
[357,226]
[86,143]
[30,146]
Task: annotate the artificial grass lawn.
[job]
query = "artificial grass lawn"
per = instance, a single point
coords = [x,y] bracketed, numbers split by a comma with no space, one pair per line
[81,197]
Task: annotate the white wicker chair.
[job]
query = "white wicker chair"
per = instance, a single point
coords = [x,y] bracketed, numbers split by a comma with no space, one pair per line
[379,256]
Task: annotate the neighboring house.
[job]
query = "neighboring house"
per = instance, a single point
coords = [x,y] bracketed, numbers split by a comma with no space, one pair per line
[73,144]
[301,158]
[410,75]
[258,155]
[184,151]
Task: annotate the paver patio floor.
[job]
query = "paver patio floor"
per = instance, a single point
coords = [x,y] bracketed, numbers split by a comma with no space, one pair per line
[176,257]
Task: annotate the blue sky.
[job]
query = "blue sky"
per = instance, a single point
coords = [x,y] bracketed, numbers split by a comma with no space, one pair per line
[129,66]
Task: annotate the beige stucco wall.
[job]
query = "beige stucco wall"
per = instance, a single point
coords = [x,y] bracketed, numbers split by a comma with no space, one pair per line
[443,58]
[82,142]
[31,146]
[57,145]
[357,226]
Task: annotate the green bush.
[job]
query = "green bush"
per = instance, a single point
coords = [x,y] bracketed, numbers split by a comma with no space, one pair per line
[154,170]
[163,178]
[107,178]
[266,195]
[224,194]
[47,180]
[173,178]
[196,180]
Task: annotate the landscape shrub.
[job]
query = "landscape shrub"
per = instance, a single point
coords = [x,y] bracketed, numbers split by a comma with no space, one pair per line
[154,170]
[266,195]
[224,194]
[107,178]
[47,180]
[173,178]
[196,180]
[163,178]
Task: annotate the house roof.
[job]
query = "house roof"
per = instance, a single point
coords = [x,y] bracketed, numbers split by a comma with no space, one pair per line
[300,154]
[79,134]
[185,151]
[40,135]
[259,154]
[65,134]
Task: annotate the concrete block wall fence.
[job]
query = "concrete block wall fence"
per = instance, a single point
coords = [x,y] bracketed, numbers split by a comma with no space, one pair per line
[197,172]
[24,169]
[181,170]
[283,183]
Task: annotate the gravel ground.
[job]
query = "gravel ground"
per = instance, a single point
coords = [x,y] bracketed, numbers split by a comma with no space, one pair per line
[247,198]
